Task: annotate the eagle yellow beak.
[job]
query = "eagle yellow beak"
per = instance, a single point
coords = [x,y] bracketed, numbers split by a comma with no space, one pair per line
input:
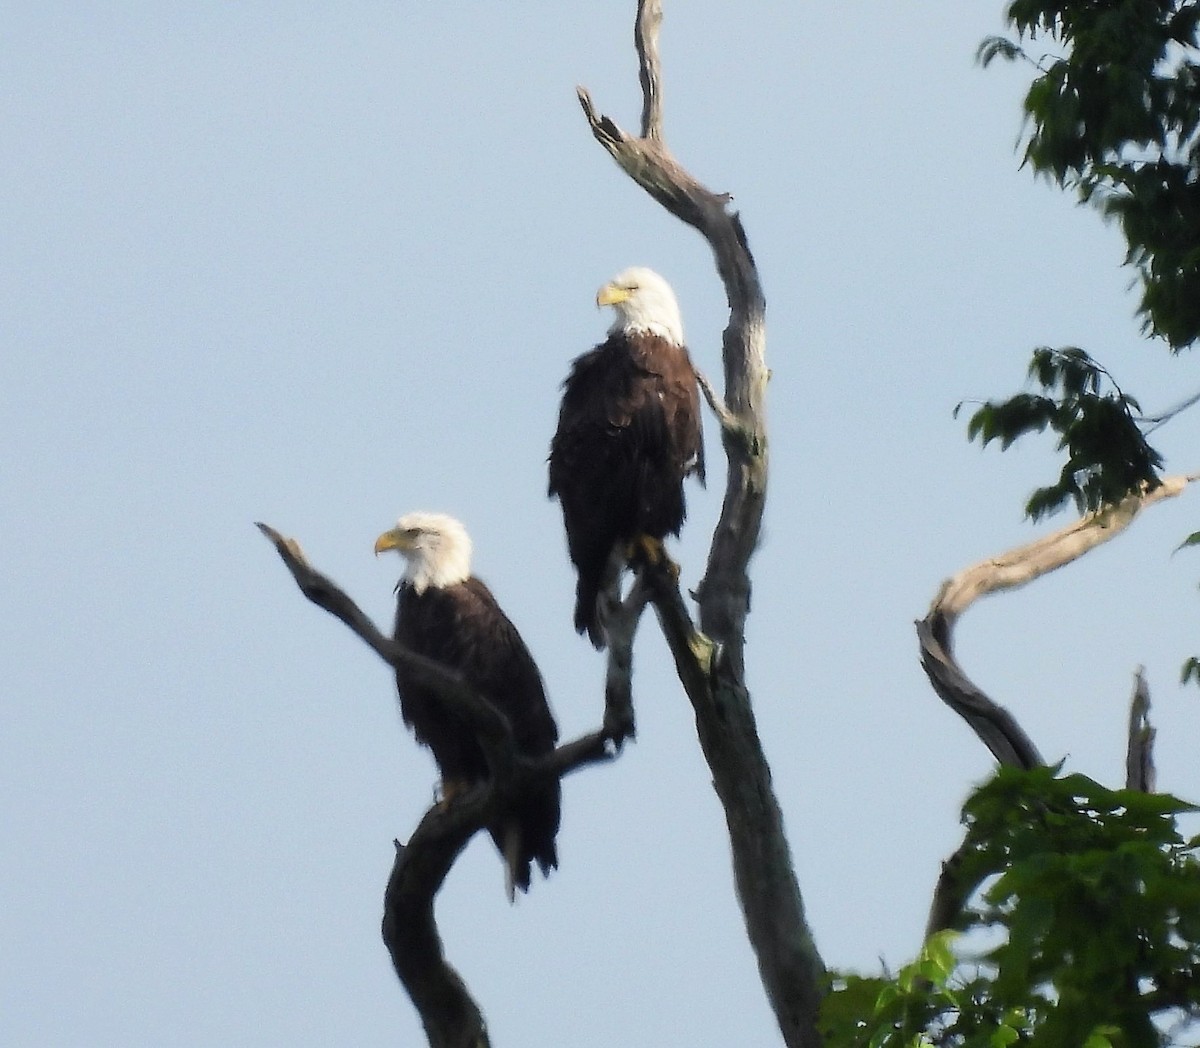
[611,294]
[397,539]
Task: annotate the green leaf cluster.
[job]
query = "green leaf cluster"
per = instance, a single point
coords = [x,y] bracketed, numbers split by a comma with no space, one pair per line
[1082,929]
[1108,456]
[1117,117]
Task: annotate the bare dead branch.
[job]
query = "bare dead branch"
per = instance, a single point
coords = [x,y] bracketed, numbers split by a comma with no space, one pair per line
[710,658]
[951,892]
[1139,756]
[451,1017]
[449,1014]
[1153,422]
[949,895]
[645,39]
[621,627]
[323,593]
[692,651]
[995,726]
[1033,560]
[731,429]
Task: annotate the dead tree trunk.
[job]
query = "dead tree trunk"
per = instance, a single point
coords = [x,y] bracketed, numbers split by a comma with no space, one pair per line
[710,658]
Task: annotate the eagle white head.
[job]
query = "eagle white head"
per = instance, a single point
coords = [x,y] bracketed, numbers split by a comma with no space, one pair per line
[643,302]
[436,549]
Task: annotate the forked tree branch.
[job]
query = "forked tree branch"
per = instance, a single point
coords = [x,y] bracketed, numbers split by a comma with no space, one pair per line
[451,1017]
[709,657]
[995,726]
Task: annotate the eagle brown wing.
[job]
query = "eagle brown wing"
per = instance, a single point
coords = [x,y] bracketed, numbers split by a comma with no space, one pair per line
[464,628]
[628,434]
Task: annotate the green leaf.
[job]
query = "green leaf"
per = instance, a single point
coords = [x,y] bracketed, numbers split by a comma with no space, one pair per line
[1003,1036]
[938,951]
[1192,540]
[1191,669]
[997,47]
[1114,118]
[1108,457]
[1101,1036]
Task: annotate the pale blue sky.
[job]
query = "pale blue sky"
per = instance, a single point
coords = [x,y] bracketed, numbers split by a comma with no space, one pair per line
[321,264]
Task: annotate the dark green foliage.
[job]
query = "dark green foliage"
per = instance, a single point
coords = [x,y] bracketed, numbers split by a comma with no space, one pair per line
[1107,454]
[1192,540]
[1085,914]
[1116,116]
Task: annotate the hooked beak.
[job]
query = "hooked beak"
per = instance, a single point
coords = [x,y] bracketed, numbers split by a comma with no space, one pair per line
[611,295]
[396,539]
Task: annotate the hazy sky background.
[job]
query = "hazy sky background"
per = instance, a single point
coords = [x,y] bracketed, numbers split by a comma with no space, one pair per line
[322,264]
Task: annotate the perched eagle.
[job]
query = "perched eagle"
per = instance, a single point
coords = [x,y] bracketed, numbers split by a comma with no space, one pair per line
[446,614]
[628,434]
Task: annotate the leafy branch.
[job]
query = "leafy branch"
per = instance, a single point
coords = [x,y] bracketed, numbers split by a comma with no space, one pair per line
[1116,116]
[1082,928]
[1108,456]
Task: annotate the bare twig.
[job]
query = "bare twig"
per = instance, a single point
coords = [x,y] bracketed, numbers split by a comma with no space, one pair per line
[731,429]
[1139,756]
[710,658]
[645,39]
[328,595]
[1153,422]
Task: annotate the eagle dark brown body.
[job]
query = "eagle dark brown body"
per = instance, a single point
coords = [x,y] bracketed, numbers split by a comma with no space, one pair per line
[628,434]
[463,627]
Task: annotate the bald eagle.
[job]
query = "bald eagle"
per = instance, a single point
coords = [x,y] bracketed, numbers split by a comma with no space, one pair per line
[446,614]
[628,433]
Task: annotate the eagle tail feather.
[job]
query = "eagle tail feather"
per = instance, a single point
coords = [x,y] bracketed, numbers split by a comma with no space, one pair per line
[587,612]
[516,868]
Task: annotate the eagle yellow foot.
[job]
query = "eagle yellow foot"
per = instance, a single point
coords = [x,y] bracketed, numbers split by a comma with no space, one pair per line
[651,551]
[449,790]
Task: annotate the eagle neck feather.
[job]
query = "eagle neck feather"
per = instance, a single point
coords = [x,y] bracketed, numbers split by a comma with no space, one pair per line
[671,330]
[440,574]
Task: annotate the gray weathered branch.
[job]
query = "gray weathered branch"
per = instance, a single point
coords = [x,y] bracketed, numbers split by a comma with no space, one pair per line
[949,894]
[645,40]
[621,627]
[710,658]
[995,726]
[450,1016]
[1139,754]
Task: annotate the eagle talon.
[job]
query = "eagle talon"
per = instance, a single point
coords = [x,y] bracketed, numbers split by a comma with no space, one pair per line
[618,726]
[647,550]
[450,790]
